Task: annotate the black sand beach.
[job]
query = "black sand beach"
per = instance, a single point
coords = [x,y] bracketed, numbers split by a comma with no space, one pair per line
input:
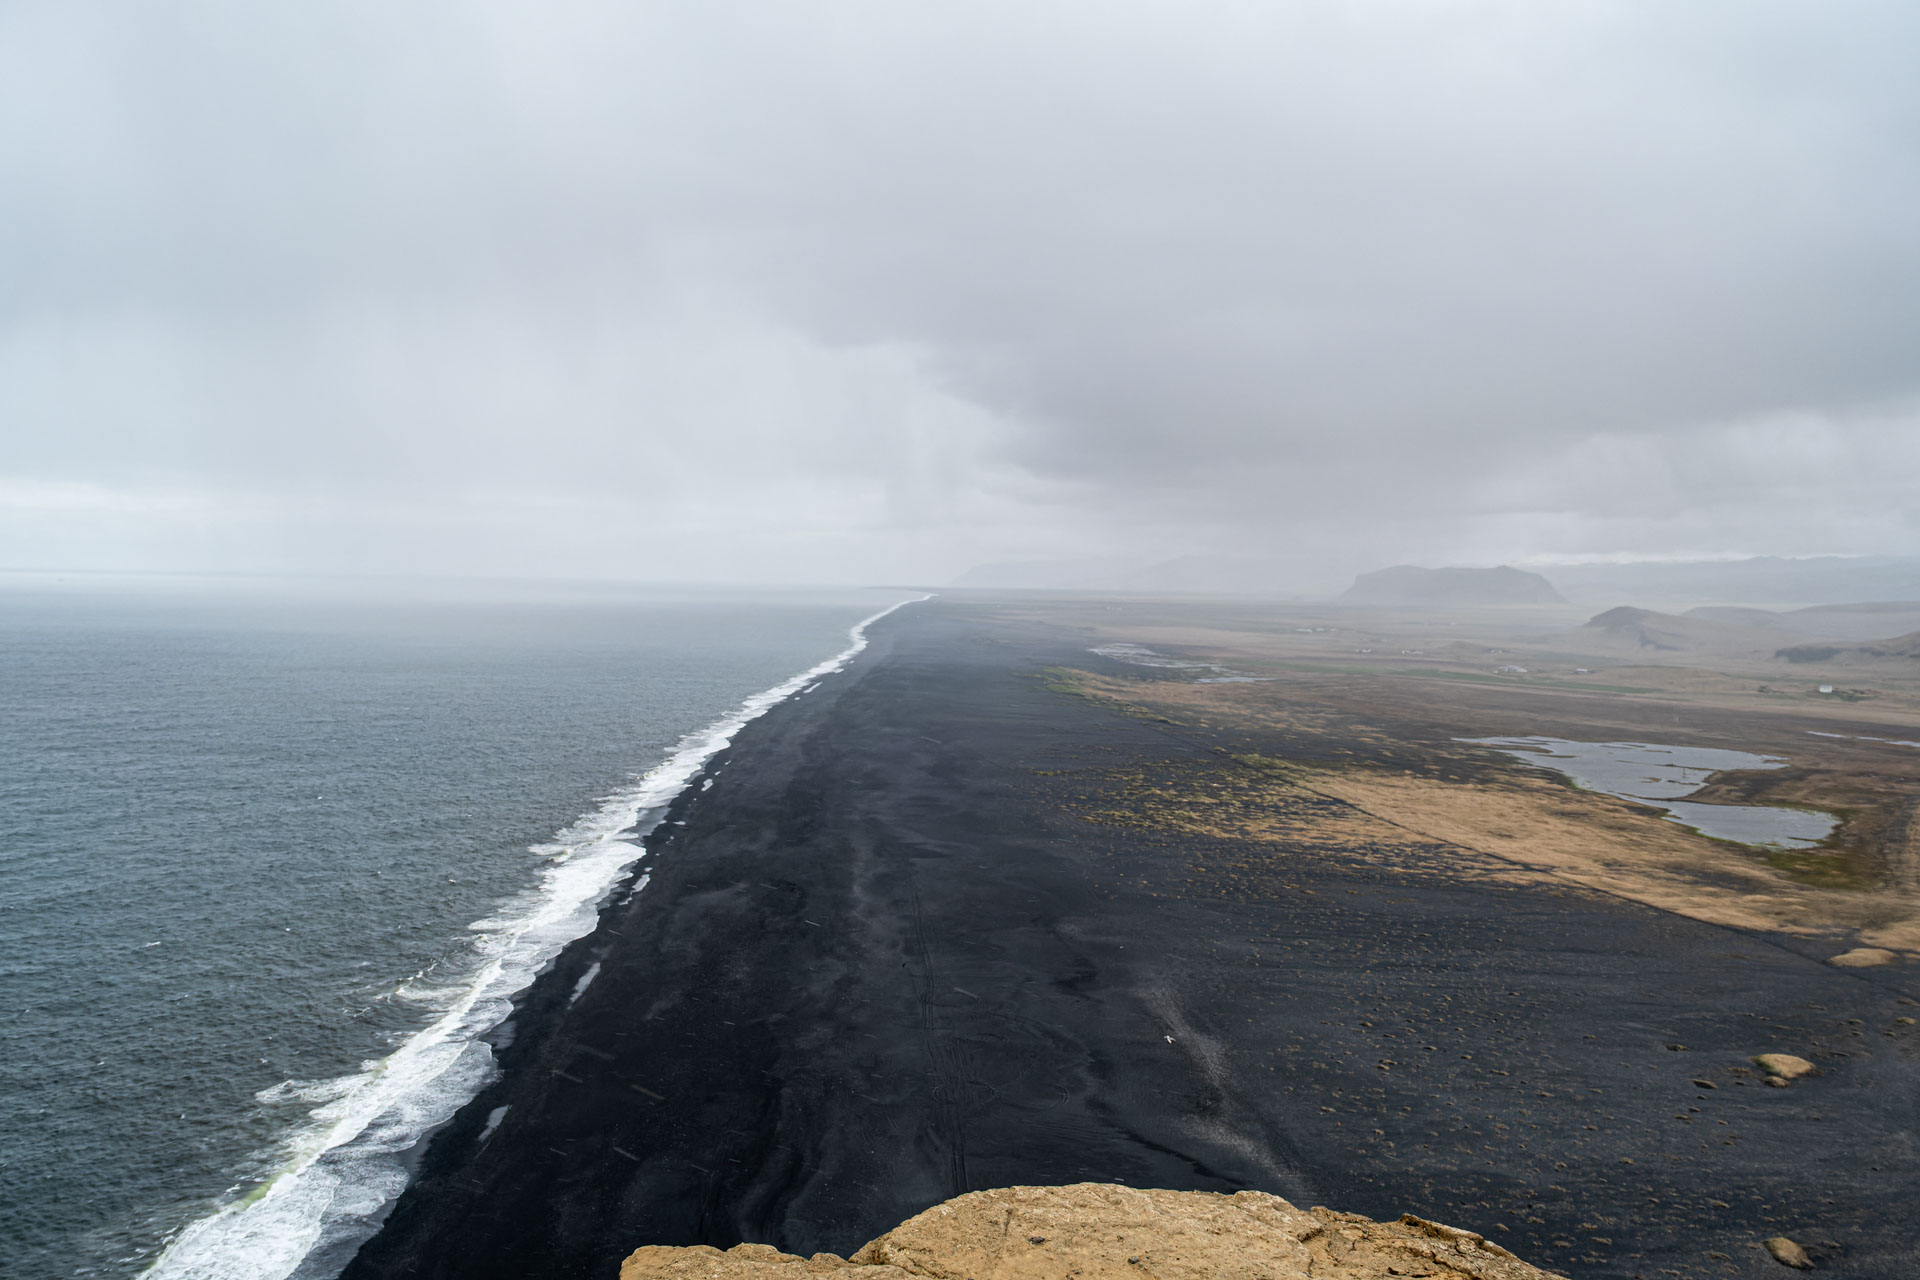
[883,963]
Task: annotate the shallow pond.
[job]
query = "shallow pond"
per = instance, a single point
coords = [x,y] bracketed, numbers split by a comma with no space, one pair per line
[1658,775]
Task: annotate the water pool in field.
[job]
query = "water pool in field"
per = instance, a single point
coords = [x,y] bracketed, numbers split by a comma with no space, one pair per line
[1659,774]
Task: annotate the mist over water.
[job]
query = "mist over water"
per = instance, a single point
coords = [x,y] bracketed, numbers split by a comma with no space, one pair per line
[244,848]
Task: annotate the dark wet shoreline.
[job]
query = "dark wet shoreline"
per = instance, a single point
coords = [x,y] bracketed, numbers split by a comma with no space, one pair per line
[882,964]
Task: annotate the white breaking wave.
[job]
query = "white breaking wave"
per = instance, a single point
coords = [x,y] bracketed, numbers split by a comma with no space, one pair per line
[342,1167]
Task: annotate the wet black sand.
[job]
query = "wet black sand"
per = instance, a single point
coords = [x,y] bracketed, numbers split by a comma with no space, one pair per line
[881,964]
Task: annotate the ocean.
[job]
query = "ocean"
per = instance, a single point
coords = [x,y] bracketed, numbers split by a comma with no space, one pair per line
[273,855]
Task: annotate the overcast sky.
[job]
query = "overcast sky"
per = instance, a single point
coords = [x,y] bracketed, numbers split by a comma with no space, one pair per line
[879,289]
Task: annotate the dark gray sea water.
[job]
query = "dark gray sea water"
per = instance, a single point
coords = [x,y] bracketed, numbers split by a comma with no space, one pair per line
[271,857]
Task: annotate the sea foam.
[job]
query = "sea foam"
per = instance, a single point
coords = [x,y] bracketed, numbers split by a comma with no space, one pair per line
[341,1168]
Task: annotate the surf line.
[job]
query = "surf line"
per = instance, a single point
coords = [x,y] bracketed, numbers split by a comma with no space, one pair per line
[339,1169]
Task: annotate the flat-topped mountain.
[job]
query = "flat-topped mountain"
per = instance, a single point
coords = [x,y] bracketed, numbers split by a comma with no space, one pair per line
[1408,584]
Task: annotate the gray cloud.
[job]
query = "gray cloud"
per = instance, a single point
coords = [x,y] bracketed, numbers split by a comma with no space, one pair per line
[868,289]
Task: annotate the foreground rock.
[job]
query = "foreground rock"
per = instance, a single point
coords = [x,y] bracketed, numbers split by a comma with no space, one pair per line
[1785,1066]
[1096,1231]
[1863,958]
[1788,1254]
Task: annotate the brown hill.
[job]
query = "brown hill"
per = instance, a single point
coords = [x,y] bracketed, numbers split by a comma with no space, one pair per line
[1643,628]
[1862,622]
[1644,632]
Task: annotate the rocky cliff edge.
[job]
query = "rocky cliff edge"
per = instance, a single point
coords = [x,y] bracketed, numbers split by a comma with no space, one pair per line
[1095,1231]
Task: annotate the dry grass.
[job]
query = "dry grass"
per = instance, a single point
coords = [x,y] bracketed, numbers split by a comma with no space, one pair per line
[1370,765]
[1628,850]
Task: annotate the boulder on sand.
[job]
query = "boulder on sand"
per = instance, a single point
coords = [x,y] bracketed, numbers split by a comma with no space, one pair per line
[1097,1231]
[1788,1254]
[1785,1066]
[1863,958]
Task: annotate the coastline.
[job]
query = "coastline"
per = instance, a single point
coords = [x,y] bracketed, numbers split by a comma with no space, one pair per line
[884,964]
[358,1151]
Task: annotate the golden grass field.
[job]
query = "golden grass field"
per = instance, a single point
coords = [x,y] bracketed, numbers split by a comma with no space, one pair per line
[1348,735]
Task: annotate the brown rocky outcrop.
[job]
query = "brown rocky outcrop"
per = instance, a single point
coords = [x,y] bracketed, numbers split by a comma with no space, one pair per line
[1097,1231]
[1788,1254]
[1785,1066]
[1863,958]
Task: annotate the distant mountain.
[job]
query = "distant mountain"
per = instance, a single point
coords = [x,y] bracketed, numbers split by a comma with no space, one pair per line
[1675,586]
[1751,633]
[1747,616]
[1090,574]
[1727,633]
[1212,575]
[1629,628]
[1856,622]
[1760,580]
[1407,584]
[1184,575]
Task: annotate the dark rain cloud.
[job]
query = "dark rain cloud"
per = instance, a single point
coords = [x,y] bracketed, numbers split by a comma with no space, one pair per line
[848,289]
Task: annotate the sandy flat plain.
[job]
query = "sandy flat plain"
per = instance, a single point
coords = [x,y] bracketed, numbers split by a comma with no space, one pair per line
[990,908]
[1370,706]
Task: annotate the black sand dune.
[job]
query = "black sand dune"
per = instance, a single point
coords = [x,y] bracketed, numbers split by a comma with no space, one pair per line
[880,965]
